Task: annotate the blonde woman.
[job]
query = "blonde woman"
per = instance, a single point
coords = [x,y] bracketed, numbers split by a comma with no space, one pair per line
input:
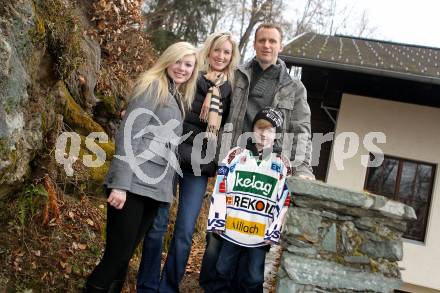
[219,57]
[140,177]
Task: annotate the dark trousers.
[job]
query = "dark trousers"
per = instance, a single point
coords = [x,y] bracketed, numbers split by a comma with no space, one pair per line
[208,273]
[230,262]
[209,279]
[125,228]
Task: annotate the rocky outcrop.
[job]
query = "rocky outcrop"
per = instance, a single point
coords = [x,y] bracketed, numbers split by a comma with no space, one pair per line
[336,240]
[21,133]
[49,68]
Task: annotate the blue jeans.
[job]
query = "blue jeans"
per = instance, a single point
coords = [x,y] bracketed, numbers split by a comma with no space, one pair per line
[229,264]
[191,192]
[148,277]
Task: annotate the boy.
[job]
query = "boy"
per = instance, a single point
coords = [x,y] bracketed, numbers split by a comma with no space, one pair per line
[249,202]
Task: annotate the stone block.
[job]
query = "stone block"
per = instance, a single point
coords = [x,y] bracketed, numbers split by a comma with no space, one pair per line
[330,275]
[303,223]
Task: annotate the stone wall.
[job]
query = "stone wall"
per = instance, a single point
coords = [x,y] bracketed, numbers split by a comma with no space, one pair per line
[336,240]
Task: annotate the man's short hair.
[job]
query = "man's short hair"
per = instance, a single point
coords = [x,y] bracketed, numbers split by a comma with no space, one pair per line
[269,25]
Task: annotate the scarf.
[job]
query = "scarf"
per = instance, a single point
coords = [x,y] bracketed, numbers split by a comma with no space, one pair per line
[213,102]
[172,89]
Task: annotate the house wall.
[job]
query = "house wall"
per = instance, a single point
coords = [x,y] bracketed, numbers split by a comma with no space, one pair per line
[412,132]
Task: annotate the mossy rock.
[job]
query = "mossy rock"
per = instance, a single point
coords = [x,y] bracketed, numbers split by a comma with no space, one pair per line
[98,174]
[38,33]
[109,149]
[74,115]
[3,147]
[63,29]
[108,105]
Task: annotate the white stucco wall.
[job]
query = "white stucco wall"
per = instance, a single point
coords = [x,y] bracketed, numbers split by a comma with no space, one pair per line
[412,132]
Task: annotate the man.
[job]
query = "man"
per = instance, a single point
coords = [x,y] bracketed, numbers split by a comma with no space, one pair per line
[264,81]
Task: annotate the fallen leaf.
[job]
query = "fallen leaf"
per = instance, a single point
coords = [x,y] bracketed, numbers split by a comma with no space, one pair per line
[44,276]
[63,264]
[68,269]
[53,222]
[90,222]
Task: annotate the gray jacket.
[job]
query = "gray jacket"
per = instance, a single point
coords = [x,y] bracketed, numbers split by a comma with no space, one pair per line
[124,176]
[291,99]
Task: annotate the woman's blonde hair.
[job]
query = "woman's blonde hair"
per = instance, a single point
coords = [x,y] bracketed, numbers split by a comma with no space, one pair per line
[213,41]
[158,74]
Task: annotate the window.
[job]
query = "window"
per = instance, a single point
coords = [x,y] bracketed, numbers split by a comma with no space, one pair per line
[407,181]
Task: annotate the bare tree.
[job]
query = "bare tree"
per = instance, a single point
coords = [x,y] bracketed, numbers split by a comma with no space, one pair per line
[364,29]
[257,14]
[241,17]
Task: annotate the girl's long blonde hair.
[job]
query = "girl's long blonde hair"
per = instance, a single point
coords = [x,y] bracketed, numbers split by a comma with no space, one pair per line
[158,74]
[213,41]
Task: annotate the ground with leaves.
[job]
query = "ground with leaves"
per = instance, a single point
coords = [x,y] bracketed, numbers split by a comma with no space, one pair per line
[43,251]
[59,255]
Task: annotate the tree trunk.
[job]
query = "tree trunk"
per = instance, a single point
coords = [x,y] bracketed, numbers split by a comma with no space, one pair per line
[158,16]
[256,14]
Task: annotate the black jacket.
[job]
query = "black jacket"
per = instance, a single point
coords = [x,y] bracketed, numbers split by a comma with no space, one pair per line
[192,123]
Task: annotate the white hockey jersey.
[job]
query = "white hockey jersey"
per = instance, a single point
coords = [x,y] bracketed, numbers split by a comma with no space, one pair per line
[250,198]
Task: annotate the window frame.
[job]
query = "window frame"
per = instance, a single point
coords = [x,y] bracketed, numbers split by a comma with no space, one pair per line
[395,195]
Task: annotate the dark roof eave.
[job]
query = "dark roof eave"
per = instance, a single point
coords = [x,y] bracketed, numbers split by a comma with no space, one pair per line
[359,69]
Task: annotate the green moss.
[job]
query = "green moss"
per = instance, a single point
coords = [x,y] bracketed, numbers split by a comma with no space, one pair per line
[3,147]
[57,21]
[109,149]
[9,105]
[43,122]
[98,173]
[38,32]
[338,258]
[357,239]
[108,103]
[75,116]
[374,265]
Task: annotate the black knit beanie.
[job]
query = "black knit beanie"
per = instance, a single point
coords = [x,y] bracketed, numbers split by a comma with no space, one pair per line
[274,116]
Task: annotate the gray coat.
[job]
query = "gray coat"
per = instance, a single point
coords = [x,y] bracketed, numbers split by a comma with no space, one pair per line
[142,177]
[291,98]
